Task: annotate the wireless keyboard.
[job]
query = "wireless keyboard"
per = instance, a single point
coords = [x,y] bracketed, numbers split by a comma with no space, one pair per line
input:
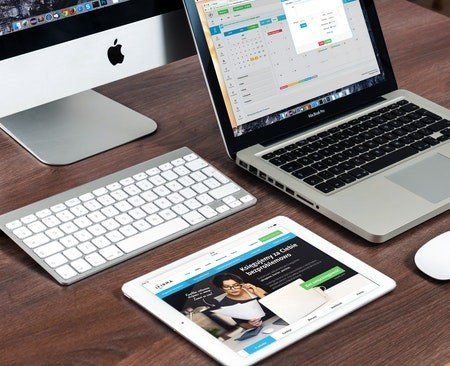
[83,231]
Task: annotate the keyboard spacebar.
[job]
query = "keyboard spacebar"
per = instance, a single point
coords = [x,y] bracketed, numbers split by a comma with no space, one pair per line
[391,159]
[153,235]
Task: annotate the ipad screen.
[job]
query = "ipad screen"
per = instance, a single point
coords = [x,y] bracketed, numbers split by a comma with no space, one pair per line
[253,292]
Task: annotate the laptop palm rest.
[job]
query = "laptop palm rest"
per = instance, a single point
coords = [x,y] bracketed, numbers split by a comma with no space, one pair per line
[429,179]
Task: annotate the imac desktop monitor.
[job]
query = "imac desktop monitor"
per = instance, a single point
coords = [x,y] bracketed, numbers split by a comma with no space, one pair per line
[52,52]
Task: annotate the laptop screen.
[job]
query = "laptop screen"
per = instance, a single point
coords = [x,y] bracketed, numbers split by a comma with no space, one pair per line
[275,59]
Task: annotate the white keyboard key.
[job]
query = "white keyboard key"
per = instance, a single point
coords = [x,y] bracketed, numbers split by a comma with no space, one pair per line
[175,198]
[212,183]
[127,181]
[82,222]
[109,212]
[124,219]
[110,224]
[161,191]
[65,216]
[193,204]
[37,227]
[136,201]
[153,235]
[141,225]
[101,242]
[54,233]
[190,157]
[86,197]
[97,216]
[132,190]
[106,200]
[247,199]
[137,214]
[169,175]
[123,206]
[150,208]
[224,191]
[177,162]
[58,208]
[13,225]
[229,199]
[22,232]
[119,195]
[43,213]
[73,202]
[115,236]
[145,185]
[222,209]
[187,193]
[111,252]
[66,272]
[157,180]
[83,235]
[128,230]
[174,186]
[79,210]
[235,204]
[180,209]
[95,259]
[181,170]
[87,248]
[205,198]
[198,176]
[186,181]
[114,186]
[49,249]
[163,203]
[155,220]
[140,176]
[28,219]
[153,171]
[220,177]
[69,227]
[207,211]
[200,188]
[149,196]
[36,240]
[194,217]
[167,214]
[209,171]
[100,192]
[81,265]
[51,221]
[69,241]
[72,254]
[196,165]
[56,260]
[92,205]
[165,167]
[96,230]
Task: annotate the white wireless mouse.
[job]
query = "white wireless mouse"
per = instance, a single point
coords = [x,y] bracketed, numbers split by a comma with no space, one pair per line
[433,258]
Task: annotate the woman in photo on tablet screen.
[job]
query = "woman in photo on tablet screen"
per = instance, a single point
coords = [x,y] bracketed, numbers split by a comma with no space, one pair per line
[238,292]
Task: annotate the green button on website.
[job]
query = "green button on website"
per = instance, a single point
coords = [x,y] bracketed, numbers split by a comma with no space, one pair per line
[324,277]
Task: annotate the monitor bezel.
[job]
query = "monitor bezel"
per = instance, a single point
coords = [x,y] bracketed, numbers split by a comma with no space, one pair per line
[82,25]
[299,122]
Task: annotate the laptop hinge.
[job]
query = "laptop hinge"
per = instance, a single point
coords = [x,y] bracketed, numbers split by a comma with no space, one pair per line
[282,137]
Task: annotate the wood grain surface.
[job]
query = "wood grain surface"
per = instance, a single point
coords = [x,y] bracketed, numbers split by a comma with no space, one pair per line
[91,323]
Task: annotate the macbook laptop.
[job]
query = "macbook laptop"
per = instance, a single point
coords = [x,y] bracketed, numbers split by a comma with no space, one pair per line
[307,101]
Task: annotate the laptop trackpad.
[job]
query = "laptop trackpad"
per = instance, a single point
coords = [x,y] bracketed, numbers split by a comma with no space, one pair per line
[429,179]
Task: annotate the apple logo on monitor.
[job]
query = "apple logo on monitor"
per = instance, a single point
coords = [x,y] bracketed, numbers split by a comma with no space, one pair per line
[115,54]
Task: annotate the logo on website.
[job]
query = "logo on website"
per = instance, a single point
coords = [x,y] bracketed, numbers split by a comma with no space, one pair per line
[315,114]
[159,286]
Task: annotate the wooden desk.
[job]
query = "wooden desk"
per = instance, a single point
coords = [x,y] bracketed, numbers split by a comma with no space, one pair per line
[91,323]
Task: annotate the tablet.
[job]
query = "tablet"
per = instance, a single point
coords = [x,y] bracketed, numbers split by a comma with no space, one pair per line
[255,293]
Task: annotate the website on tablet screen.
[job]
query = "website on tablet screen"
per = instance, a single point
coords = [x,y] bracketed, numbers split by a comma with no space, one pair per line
[261,288]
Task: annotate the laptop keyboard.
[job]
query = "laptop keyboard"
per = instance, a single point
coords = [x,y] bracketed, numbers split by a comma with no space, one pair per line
[352,151]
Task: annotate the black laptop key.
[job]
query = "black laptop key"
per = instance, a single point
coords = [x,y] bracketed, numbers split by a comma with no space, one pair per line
[326,174]
[304,172]
[280,151]
[319,166]
[397,144]
[390,159]
[269,156]
[409,107]
[368,156]
[358,173]
[340,157]
[439,126]
[330,161]
[406,140]
[347,166]
[416,136]
[402,102]
[292,167]
[381,140]
[326,152]
[336,183]
[446,132]
[389,116]
[387,148]
[370,144]
[347,178]
[378,152]
[277,161]
[305,161]
[357,161]
[431,141]
[325,188]
[429,114]
[313,180]
[421,145]
[336,170]
[419,124]
[315,157]
[425,132]
[400,132]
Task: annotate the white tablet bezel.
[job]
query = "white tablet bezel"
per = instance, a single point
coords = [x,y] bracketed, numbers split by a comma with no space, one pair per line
[215,348]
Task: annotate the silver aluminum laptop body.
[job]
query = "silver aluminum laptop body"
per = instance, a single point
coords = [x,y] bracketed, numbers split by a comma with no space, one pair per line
[382,205]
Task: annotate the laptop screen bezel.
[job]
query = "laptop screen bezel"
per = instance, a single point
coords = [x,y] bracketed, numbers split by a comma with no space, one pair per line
[299,122]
